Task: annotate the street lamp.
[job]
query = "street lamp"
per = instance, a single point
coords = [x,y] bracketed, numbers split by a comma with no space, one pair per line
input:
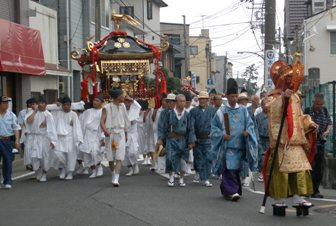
[261,56]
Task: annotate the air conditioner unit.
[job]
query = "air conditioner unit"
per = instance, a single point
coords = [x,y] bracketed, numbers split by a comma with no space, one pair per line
[318,6]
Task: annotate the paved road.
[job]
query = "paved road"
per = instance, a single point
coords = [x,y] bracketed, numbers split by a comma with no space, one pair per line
[144,199]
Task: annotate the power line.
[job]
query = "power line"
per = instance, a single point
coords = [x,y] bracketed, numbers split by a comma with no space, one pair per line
[210,26]
[218,12]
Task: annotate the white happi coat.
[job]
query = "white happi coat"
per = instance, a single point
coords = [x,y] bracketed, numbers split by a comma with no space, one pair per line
[70,136]
[117,123]
[25,132]
[141,133]
[42,133]
[150,139]
[132,144]
[92,133]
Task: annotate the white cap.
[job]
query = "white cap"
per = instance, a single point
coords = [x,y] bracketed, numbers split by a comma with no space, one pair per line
[171,96]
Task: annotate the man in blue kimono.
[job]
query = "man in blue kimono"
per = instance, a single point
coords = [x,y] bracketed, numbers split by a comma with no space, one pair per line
[232,130]
[176,131]
[263,135]
[200,119]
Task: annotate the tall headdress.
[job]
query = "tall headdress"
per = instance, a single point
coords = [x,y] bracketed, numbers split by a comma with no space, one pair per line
[232,87]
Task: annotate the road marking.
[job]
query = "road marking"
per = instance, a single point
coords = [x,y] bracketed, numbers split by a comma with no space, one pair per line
[327,200]
[23,175]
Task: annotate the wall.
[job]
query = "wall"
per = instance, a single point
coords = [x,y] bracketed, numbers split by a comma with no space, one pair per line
[39,84]
[198,63]
[219,77]
[320,43]
[46,22]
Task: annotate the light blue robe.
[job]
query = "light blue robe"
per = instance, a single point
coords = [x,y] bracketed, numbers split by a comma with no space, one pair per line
[203,156]
[238,148]
[263,142]
[176,148]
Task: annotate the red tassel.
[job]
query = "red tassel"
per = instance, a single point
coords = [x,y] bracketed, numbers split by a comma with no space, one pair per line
[267,154]
[312,141]
[163,83]
[85,89]
[290,121]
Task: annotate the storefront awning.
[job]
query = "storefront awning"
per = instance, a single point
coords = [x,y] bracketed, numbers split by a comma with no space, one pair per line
[21,49]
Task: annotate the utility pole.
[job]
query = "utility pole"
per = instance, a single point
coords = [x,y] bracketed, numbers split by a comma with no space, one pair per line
[225,72]
[269,35]
[186,55]
[97,21]
[280,51]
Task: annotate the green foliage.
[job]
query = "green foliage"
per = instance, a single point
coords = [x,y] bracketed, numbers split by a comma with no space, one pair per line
[251,76]
[173,84]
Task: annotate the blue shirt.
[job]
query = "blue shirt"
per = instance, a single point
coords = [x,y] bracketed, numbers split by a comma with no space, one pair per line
[262,125]
[8,124]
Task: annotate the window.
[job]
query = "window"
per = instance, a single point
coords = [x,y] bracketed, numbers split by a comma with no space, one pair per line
[174,39]
[149,9]
[193,50]
[93,11]
[128,10]
[333,42]
[104,12]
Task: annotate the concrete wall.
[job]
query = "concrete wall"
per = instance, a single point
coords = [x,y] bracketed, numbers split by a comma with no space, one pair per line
[39,84]
[317,48]
[219,77]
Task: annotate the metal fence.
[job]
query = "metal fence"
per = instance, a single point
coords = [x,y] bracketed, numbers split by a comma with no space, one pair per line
[328,90]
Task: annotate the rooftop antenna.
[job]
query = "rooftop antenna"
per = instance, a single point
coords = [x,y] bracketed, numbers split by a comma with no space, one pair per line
[203,21]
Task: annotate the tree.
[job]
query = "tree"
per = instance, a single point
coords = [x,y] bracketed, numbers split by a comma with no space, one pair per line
[250,77]
[173,84]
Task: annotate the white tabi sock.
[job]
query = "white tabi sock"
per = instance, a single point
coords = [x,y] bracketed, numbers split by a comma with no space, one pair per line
[181,181]
[116,177]
[171,178]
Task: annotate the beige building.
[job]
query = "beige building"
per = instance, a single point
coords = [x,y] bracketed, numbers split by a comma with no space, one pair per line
[202,61]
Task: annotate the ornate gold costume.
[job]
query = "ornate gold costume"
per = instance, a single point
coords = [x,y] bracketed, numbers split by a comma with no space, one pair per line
[291,173]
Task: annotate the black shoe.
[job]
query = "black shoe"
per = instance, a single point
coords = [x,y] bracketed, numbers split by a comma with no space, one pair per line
[317,195]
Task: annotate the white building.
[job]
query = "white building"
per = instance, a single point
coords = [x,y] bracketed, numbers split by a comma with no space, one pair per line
[44,19]
[320,45]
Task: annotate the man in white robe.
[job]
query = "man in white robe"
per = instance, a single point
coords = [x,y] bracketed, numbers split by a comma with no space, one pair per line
[160,161]
[25,131]
[142,131]
[70,137]
[132,145]
[115,124]
[150,144]
[91,148]
[41,140]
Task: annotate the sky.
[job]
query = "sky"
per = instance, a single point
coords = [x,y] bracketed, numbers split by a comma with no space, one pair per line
[229,24]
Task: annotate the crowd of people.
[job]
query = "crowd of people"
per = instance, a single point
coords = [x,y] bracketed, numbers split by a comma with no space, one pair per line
[189,133]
